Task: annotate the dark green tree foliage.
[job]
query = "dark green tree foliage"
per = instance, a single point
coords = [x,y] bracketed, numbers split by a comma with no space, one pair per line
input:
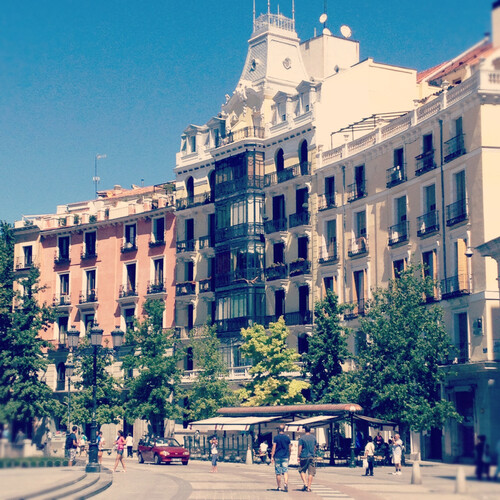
[399,376]
[23,393]
[272,363]
[211,390]
[327,349]
[154,392]
[108,392]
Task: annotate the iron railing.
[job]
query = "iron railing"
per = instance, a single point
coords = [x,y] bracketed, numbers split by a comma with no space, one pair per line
[61,259]
[299,219]
[326,201]
[396,175]
[454,147]
[357,246]
[399,233]
[275,225]
[156,287]
[186,246]
[194,201]
[456,212]
[238,135]
[206,242]
[288,173]
[278,271]
[455,286]
[186,288]
[328,254]
[356,308]
[300,266]
[298,318]
[206,285]
[129,246]
[239,230]
[425,162]
[250,276]
[428,223]
[127,291]
[62,300]
[233,186]
[356,191]
[89,297]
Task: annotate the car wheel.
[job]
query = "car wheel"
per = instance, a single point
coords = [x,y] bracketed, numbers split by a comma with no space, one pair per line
[140,459]
[157,460]
[185,463]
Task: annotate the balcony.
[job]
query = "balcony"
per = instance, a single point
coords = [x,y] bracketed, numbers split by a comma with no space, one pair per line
[205,242]
[358,246]
[396,175]
[278,271]
[186,288]
[23,263]
[89,254]
[238,231]
[62,300]
[326,201]
[129,246]
[286,174]
[156,287]
[299,219]
[425,162]
[249,276]
[186,246]
[462,352]
[206,285]
[300,266]
[275,225]
[235,324]
[298,318]
[157,241]
[61,259]
[356,191]
[428,223]
[60,385]
[328,255]
[233,186]
[456,212]
[399,233]
[239,135]
[88,297]
[454,148]
[355,309]
[455,286]
[126,291]
[194,201]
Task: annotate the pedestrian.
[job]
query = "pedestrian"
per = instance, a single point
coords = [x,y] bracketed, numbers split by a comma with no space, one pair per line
[120,446]
[214,443]
[479,455]
[370,456]
[71,446]
[280,455]
[397,451]
[306,452]
[100,446]
[6,432]
[497,471]
[379,443]
[82,444]
[486,460]
[130,445]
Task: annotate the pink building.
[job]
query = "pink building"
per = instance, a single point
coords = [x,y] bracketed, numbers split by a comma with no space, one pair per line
[100,260]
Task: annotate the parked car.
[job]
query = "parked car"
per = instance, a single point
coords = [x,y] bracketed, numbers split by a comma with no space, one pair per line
[161,451]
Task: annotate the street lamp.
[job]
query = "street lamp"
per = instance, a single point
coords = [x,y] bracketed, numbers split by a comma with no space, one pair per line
[352,461]
[72,338]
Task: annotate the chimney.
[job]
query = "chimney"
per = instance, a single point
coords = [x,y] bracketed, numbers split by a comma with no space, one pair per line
[495,23]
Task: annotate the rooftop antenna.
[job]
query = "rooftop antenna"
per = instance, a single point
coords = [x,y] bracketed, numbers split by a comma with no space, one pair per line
[293,10]
[254,12]
[323,18]
[268,7]
[96,179]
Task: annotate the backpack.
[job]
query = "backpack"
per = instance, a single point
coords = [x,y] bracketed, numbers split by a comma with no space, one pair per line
[69,442]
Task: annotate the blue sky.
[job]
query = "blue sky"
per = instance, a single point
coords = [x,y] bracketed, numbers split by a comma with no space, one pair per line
[125,77]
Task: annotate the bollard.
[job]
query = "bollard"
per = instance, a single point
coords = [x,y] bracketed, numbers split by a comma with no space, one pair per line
[249,460]
[460,486]
[416,477]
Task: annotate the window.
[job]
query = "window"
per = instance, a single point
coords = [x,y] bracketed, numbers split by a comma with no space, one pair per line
[159,229]
[130,234]
[279,207]
[279,303]
[189,229]
[330,191]
[462,337]
[359,180]
[158,271]
[303,344]
[190,189]
[61,377]
[129,318]
[279,160]
[62,327]
[64,284]
[130,275]
[360,224]
[63,246]
[399,157]
[359,288]
[90,279]
[301,200]
[400,210]
[302,243]
[28,255]
[190,316]
[398,266]
[328,283]
[303,299]
[189,271]
[359,342]
[429,198]
[90,243]
[331,237]
[279,253]
[188,359]
[88,322]
[430,268]
[459,185]
[303,158]
[192,143]
[427,143]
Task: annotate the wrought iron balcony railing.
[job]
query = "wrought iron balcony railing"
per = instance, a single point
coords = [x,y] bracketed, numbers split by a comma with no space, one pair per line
[61,259]
[186,246]
[186,288]
[356,309]
[157,241]
[356,191]
[456,212]
[206,242]
[288,173]
[454,148]
[129,246]
[299,219]
[23,263]
[358,246]
[455,286]
[462,352]
[328,254]
[63,299]
[127,291]
[235,324]
[238,231]
[326,201]
[88,297]
[425,162]
[428,223]
[206,285]
[89,254]
[275,225]
[194,201]
[300,266]
[156,287]
[278,271]
[399,233]
[396,175]
[298,318]
[239,135]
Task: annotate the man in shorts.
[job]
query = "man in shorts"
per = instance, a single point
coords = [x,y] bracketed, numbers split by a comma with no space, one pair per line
[280,454]
[71,446]
[306,452]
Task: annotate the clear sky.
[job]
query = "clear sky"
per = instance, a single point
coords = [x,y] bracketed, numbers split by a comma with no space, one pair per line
[125,77]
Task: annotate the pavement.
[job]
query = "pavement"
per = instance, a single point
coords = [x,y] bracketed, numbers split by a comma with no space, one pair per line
[256,482]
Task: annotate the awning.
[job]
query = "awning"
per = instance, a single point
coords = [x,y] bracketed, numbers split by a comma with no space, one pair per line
[375,422]
[298,425]
[229,423]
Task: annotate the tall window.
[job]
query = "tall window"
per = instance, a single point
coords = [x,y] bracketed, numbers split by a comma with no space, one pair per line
[90,278]
[280,160]
[28,255]
[462,336]
[279,207]
[63,246]
[64,284]
[301,200]
[90,243]
[359,287]
[330,190]
[302,243]
[158,271]
[190,188]
[62,326]
[399,157]
[429,198]
[129,318]
[303,158]
[400,210]
[427,143]
[279,303]
[303,298]
[398,267]
[279,253]
[130,234]
[360,224]
[159,229]
[88,322]
[359,180]
[331,237]
[459,185]
[130,271]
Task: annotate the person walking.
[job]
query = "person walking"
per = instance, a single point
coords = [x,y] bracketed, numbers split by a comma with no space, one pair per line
[397,451]
[280,455]
[100,446]
[120,445]
[497,470]
[71,446]
[370,456]
[479,456]
[214,443]
[130,445]
[306,452]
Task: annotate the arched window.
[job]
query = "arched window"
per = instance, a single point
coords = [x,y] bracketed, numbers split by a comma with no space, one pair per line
[211,181]
[303,160]
[280,160]
[190,189]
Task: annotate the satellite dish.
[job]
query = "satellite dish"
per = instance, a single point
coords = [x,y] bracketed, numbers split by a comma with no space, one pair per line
[323,18]
[346,31]
[326,31]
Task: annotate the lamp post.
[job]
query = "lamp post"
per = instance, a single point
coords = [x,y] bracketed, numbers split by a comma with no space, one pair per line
[72,338]
[352,461]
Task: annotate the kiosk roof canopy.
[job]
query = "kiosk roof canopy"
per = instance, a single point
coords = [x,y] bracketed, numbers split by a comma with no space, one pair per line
[290,410]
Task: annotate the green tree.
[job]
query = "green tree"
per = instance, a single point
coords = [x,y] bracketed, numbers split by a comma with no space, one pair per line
[327,349]
[211,390]
[24,395]
[154,392]
[399,376]
[108,391]
[273,362]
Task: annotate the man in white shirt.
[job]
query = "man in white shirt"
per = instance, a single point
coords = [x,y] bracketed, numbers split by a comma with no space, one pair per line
[129,442]
[370,456]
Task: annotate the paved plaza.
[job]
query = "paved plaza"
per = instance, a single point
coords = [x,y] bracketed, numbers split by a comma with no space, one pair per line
[254,482]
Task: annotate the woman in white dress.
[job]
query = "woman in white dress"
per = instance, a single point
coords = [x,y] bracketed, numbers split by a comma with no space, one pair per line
[397,451]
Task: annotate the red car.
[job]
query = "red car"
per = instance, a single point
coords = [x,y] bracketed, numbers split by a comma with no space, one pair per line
[161,451]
